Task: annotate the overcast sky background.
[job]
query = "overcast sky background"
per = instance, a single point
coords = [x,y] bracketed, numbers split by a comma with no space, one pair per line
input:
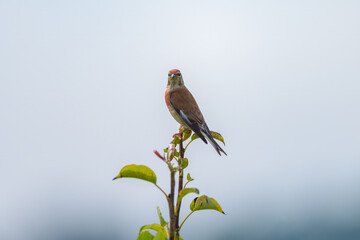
[82,94]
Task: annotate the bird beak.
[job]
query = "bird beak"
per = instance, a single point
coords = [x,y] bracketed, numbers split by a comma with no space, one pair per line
[173,75]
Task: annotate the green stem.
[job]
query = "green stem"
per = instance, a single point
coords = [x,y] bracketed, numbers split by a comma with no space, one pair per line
[187,145]
[185,220]
[162,191]
[186,184]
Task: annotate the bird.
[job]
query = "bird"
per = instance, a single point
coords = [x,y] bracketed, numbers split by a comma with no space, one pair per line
[185,110]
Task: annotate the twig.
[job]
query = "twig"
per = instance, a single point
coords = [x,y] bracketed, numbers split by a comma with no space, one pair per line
[181,177]
[171,204]
[187,145]
[167,197]
[185,220]
[186,184]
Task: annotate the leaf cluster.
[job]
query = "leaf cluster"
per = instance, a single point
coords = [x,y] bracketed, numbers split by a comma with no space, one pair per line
[175,151]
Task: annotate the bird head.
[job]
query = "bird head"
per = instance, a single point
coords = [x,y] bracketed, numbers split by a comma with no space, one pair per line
[175,79]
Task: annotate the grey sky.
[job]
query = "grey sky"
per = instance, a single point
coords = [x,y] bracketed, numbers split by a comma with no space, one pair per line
[82,94]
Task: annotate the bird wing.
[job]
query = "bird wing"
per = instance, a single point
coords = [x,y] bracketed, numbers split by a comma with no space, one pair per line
[185,105]
[184,101]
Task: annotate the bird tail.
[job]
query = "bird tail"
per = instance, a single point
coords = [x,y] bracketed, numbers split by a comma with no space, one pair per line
[205,130]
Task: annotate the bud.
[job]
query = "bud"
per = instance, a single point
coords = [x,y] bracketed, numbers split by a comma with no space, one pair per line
[159,156]
[171,151]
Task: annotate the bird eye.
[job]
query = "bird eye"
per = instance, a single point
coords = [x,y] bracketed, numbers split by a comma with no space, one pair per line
[178,74]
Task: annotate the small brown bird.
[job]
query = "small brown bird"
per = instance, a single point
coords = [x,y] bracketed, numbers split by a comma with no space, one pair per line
[185,110]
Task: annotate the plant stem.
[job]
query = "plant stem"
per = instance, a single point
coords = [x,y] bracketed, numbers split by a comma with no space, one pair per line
[185,220]
[186,184]
[167,197]
[171,204]
[188,145]
[181,177]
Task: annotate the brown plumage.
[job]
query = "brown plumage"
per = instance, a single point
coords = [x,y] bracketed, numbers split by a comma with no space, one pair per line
[185,110]
[183,100]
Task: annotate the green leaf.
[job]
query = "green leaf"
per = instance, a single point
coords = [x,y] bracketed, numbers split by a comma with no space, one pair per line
[145,236]
[184,163]
[204,202]
[137,171]
[194,136]
[176,140]
[188,177]
[217,136]
[160,236]
[162,220]
[186,134]
[186,191]
[161,232]
[176,153]
[165,150]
